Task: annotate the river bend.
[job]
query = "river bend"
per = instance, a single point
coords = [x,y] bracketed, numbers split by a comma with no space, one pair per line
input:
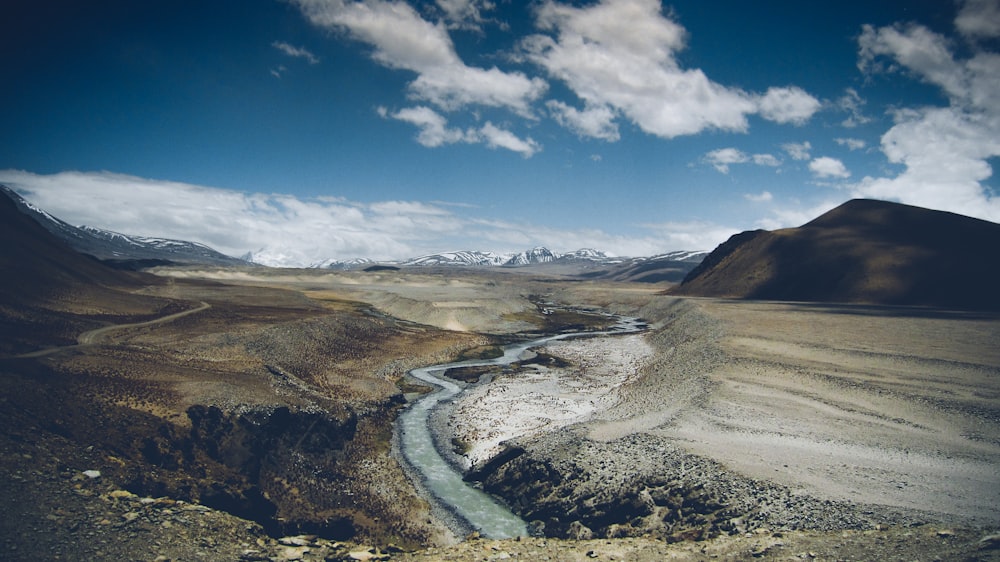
[480,510]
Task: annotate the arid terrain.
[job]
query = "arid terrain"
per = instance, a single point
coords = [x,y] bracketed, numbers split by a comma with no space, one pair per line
[765,428]
[248,413]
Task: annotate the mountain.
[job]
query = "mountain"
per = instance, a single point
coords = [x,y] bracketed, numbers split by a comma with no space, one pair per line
[670,267]
[864,251]
[347,265]
[122,250]
[587,263]
[478,258]
[48,291]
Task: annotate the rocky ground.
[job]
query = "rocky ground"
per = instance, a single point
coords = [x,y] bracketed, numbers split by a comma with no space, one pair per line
[259,428]
[755,416]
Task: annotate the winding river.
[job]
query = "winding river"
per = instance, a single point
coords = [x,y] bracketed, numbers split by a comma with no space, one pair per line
[481,511]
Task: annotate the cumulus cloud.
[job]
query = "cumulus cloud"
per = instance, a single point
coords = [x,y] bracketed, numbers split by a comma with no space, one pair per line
[621,54]
[766,160]
[722,158]
[402,39]
[979,19]
[692,235]
[798,150]
[795,215]
[297,52]
[851,144]
[465,14]
[762,197]
[593,122]
[852,103]
[495,137]
[434,132]
[788,105]
[826,167]
[945,151]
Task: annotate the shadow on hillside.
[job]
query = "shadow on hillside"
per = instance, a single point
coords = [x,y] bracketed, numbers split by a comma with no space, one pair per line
[878,310]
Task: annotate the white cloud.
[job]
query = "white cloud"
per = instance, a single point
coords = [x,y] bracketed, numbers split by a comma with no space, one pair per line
[795,215]
[798,151]
[496,137]
[294,231]
[297,52]
[621,54]
[788,105]
[722,158]
[762,197]
[465,14]
[979,19]
[766,160]
[402,39]
[433,127]
[851,103]
[851,144]
[594,122]
[692,235]
[434,132]
[945,151]
[826,167]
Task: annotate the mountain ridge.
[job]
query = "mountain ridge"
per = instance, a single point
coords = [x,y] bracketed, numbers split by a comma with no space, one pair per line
[864,251]
[128,251]
[121,250]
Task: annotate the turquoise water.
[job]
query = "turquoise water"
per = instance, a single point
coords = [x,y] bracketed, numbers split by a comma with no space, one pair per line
[480,510]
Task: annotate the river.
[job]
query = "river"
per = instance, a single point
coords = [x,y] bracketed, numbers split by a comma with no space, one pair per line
[480,510]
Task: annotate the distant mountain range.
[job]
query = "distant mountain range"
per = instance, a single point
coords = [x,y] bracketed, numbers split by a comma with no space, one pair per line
[585,263]
[863,251]
[137,252]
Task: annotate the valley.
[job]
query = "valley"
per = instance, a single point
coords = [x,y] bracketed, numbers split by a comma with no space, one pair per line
[726,421]
[247,413]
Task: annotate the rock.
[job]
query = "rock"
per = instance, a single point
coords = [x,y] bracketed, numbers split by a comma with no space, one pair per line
[292,552]
[990,542]
[92,474]
[362,555]
[121,494]
[301,540]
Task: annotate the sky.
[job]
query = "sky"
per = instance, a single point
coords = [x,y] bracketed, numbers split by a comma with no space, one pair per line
[309,130]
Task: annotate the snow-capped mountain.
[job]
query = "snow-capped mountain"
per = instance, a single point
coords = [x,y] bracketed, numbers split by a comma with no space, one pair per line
[681,256]
[535,255]
[459,258]
[477,258]
[346,265]
[140,251]
[592,255]
[121,248]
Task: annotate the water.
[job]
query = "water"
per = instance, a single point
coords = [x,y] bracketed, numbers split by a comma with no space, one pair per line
[480,510]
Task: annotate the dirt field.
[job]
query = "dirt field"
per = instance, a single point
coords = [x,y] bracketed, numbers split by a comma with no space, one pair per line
[823,430]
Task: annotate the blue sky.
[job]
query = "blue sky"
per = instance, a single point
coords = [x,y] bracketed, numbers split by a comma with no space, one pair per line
[305,130]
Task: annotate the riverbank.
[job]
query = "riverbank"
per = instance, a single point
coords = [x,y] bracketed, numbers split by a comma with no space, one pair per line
[753,416]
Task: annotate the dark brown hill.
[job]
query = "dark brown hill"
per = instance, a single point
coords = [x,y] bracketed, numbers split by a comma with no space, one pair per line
[49,293]
[863,251]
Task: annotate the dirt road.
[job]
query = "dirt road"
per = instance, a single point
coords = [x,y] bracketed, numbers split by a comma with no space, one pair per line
[91,337]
